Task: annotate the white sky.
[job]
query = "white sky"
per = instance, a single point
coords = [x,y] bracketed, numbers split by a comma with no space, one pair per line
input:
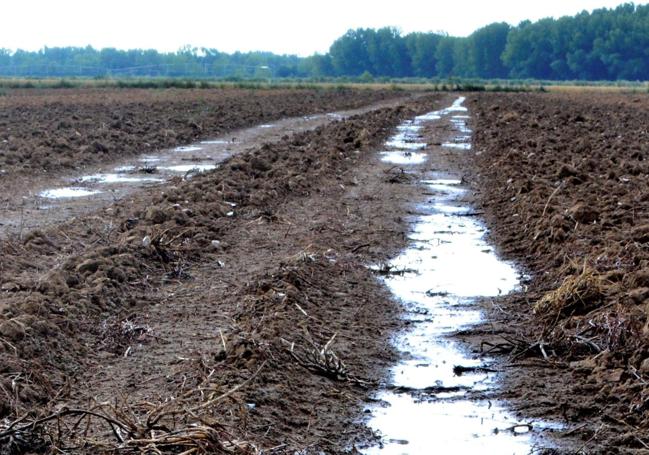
[281,26]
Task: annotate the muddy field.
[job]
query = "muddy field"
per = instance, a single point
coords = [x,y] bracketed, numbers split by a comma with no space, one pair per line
[32,200]
[47,130]
[563,182]
[232,280]
[242,310]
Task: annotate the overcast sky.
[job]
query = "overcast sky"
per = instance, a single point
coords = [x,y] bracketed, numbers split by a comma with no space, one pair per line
[281,26]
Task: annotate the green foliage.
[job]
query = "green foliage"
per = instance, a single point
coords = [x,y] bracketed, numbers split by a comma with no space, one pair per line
[422,48]
[187,62]
[64,84]
[607,44]
[486,45]
[366,77]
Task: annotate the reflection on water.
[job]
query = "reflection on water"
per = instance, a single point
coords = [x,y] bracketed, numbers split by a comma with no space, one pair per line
[69,192]
[426,407]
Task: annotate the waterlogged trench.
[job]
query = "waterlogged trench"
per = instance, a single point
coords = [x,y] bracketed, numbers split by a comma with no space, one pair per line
[428,406]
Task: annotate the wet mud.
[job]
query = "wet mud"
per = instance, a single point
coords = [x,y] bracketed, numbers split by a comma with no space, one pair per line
[53,193]
[47,130]
[440,395]
[234,310]
[562,181]
[246,283]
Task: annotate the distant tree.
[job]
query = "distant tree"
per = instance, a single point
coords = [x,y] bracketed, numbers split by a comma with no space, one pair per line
[422,49]
[486,46]
[318,65]
[445,56]
[381,52]
[529,50]
[388,53]
[349,53]
[5,57]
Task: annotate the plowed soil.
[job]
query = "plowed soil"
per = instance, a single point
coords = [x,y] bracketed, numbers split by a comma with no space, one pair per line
[234,312]
[234,309]
[563,182]
[42,131]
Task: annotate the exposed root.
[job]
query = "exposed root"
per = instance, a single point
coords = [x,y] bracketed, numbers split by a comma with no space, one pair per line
[322,361]
[388,270]
[519,347]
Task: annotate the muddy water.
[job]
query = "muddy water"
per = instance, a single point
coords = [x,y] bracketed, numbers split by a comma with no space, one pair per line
[428,406]
[55,199]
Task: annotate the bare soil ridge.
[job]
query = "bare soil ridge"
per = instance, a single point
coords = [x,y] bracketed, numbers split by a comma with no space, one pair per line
[48,130]
[563,182]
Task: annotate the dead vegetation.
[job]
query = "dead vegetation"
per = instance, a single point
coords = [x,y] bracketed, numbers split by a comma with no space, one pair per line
[176,426]
[578,294]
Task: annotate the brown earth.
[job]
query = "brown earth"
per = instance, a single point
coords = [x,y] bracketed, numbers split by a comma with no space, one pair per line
[563,181]
[231,310]
[42,131]
[23,208]
[218,327]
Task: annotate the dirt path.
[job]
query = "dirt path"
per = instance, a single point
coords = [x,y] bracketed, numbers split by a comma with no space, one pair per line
[263,292]
[442,393]
[227,280]
[34,202]
[286,276]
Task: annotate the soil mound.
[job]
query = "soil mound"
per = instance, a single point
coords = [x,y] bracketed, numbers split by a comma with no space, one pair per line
[564,181]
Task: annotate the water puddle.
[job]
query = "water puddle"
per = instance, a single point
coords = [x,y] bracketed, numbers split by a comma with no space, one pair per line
[429,117]
[190,167]
[408,138]
[432,403]
[459,123]
[268,125]
[403,157]
[119,178]
[457,145]
[410,127]
[70,192]
[188,148]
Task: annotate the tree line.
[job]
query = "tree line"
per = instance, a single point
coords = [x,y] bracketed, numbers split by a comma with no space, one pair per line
[606,44]
[186,62]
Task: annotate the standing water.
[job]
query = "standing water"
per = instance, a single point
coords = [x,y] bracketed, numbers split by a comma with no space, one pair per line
[448,265]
